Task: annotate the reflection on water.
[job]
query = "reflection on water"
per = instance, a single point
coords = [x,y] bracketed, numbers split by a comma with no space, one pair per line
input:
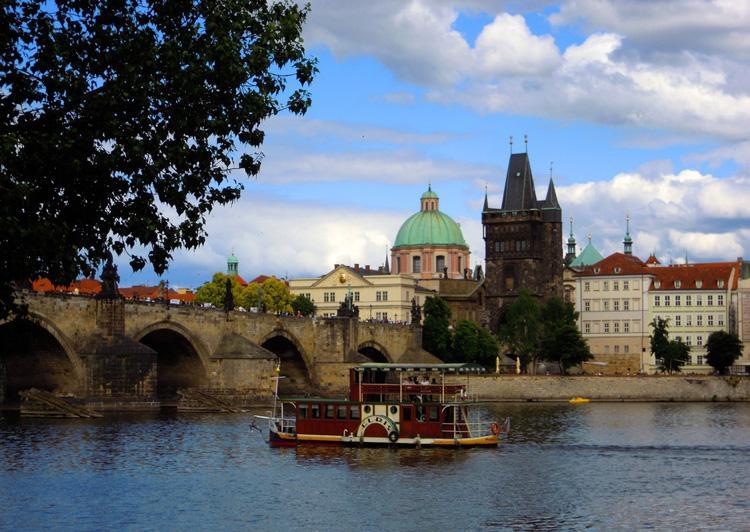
[597,466]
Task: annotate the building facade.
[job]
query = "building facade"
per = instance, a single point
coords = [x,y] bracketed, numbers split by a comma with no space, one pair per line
[379,296]
[523,241]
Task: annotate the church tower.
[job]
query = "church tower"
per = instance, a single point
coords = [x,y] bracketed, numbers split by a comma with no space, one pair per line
[523,241]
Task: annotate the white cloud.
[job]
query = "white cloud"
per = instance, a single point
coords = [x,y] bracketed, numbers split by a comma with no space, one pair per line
[706,245]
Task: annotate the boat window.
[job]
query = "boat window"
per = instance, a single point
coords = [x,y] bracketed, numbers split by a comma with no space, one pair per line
[302,411]
[449,415]
[354,411]
[341,414]
[329,411]
[315,411]
[434,413]
[420,413]
[406,410]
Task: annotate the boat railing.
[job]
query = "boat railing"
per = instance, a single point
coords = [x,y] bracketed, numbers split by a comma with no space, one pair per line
[284,424]
[476,429]
[433,390]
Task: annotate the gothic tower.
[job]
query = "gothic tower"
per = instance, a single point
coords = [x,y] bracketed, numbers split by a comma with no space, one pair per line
[523,241]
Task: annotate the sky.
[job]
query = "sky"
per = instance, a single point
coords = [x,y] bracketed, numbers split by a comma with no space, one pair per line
[633,107]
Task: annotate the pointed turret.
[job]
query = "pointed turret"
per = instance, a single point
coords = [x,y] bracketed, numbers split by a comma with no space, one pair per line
[628,241]
[486,203]
[551,201]
[387,268]
[571,254]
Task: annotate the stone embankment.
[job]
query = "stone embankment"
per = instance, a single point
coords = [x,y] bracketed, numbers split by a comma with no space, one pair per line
[614,389]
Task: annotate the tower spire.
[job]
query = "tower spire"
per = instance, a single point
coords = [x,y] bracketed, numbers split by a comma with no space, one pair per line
[486,203]
[571,254]
[628,241]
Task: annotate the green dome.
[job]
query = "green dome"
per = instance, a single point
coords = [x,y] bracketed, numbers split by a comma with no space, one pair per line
[429,194]
[429,228]
[232,259]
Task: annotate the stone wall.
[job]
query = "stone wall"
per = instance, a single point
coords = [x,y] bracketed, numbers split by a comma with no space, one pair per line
[644,388]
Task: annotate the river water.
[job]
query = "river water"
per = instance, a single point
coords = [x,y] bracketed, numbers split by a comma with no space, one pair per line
[595,466]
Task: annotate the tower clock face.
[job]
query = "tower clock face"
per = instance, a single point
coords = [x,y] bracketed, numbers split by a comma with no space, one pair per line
[342,278]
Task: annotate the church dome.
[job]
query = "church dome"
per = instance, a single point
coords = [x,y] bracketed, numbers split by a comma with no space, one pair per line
[430,226]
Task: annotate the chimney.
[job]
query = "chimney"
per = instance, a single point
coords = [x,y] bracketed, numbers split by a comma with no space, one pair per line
[367,267]
[356,266]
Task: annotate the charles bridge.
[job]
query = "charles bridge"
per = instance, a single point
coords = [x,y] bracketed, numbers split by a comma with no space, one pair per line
[118,353]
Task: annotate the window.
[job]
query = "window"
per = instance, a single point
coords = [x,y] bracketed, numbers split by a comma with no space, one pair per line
[302,411]
[626,348]
[678,321]
[617,349]
[440,260]
[606,327]
[688,340]
[699,341]
[616,326]
[677,283]
[625,304]
[497,246]
[616,304]
[615,286]
[378,296]
[587,286]
[587,327]
[626,285]
[398,264]
[699,301]
[720,300]
[606,349]
[416,264]
[325,297]
[385,295]
[720,320]
[341,412]
[626,326]
[699,320]
[689,320]
[701,360]
[356,296]
[333,297]
[385,316]
[587,305]
[329,411]
[378,315]
[353,411]
[605,304]
[688,301]
[677,301]
[710,320]
[667,301]
[606,286]
[710,301]
[657,301]
[315,410]
[720,283]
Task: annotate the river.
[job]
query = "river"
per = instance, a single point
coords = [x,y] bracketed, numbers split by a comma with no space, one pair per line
[596,466]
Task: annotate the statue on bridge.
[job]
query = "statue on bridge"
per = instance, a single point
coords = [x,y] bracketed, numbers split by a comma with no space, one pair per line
[348,309]
[228,297]
[416,312]
[109,278]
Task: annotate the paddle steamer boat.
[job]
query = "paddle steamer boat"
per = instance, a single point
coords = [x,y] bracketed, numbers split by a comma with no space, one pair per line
[389,405]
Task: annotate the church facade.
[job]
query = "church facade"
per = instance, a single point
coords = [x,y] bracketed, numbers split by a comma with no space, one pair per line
[523,241]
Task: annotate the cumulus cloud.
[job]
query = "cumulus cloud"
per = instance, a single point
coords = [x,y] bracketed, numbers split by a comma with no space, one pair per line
[671,213]
[692,84]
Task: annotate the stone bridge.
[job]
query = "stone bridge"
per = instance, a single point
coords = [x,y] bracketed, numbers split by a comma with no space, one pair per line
[117,352]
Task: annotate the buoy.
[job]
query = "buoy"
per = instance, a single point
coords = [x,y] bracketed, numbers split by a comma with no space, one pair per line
[578,400]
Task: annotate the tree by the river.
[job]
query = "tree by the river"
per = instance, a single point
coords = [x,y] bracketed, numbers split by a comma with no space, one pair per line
[303,305]
[214,291]
[122,122]
[521,329]
[561,341]
[473,343]
[722,350]
[670,355]
[436,334]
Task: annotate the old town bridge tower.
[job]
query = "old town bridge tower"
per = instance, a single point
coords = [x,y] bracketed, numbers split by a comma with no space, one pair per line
[523,241]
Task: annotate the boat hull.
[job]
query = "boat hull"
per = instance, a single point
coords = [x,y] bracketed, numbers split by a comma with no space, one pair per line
[282,439]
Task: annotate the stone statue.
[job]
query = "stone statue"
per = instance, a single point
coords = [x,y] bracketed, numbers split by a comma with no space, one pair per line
[109,278]
[416,312]
[228,297]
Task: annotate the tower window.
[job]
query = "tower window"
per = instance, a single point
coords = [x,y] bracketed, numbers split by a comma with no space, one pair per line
[416,264]
[440,263]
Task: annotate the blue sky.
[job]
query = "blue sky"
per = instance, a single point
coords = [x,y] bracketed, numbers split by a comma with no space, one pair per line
[642,108]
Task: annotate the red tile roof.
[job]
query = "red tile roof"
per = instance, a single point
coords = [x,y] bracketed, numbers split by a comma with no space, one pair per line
[81,286]
[687,276]
[615,264]
[652,260]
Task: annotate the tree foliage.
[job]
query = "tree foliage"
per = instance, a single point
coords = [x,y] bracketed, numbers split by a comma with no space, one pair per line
[436,334]
[213,291]
[659,337]
[670,355]
[121,123]
[275,295]
[521,330]
[303,305]
[561,341]
[723,349]
[473,343]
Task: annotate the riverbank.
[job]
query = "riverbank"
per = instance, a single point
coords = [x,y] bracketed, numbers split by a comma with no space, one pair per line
[679,388]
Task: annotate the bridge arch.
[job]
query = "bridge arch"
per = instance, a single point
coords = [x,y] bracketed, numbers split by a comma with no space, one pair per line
[295,362]
[181,360]
[375,351]
[35,353]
